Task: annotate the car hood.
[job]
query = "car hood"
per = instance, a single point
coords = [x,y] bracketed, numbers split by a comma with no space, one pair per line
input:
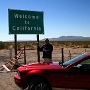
[41,66]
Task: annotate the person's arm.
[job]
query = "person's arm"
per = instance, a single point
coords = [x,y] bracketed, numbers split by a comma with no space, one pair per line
[51,48]
[40,48]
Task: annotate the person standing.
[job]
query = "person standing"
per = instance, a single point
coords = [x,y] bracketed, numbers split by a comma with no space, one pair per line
[47,49]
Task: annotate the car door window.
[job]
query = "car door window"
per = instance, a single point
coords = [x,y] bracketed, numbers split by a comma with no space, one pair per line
[85,64]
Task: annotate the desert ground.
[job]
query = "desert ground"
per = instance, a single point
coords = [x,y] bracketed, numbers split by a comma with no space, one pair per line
[6,78]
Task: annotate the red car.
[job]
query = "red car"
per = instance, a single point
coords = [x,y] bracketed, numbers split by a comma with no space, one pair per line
[74,73]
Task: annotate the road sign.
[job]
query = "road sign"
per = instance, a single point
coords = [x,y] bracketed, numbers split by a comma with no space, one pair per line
[25,22]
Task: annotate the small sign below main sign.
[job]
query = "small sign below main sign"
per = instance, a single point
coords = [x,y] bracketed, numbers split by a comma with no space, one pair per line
[25,22]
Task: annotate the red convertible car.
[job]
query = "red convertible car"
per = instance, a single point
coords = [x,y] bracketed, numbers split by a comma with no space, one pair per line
[74,73]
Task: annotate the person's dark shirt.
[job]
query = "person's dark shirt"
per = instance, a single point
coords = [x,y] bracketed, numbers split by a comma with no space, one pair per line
[48,53]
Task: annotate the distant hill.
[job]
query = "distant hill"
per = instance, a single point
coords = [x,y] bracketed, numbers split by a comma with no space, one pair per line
[61,38]
[70,38]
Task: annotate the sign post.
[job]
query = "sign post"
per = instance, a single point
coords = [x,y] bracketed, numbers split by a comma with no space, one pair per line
[26,22]
[38,53]
[15,38]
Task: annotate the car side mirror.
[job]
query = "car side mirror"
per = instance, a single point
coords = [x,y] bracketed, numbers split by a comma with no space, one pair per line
[77,66]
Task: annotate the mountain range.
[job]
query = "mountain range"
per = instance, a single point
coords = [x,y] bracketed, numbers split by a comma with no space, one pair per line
[61,38]
[69,38]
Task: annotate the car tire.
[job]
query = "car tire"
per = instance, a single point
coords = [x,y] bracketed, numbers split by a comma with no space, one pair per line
[39,84]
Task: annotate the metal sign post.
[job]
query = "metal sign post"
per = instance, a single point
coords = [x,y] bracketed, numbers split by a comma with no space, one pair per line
[15,38]
[62,56]
[38,53]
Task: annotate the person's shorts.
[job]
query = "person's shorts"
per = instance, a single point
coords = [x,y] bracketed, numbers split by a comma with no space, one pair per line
[47,60]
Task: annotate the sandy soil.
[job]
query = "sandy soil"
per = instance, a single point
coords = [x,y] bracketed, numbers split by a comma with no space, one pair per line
[7,80]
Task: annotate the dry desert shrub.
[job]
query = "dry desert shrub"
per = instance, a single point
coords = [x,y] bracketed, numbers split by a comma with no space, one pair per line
[32,45]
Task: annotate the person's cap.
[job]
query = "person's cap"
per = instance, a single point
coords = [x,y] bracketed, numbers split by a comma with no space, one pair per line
[47,39]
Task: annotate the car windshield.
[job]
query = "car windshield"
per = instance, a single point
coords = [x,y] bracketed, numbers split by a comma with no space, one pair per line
[73,60]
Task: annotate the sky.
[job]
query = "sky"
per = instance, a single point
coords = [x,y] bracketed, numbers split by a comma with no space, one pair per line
[61,18]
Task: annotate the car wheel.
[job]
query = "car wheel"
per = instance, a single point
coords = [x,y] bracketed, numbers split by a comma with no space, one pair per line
[39,84]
